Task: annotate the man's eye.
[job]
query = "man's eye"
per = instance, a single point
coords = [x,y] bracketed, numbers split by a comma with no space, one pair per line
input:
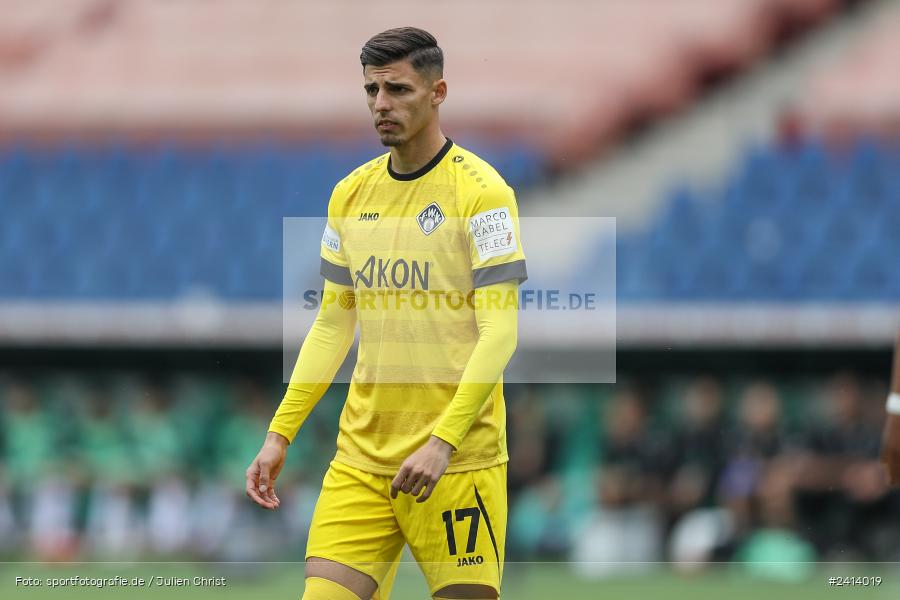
[371,91]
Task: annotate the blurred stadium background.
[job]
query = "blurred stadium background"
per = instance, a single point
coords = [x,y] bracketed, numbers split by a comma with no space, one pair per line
[749,149]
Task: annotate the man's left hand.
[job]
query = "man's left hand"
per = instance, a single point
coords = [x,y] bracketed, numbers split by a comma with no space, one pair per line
[421,471]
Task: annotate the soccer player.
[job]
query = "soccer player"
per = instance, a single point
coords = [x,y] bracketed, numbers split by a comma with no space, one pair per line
[890,443]
[422,250]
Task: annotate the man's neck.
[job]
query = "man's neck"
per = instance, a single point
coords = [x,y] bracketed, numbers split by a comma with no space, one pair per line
[415,154]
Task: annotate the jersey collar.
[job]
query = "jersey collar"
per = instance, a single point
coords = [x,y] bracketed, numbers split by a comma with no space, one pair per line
[422,171]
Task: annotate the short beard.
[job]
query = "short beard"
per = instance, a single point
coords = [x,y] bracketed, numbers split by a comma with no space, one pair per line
[390,141]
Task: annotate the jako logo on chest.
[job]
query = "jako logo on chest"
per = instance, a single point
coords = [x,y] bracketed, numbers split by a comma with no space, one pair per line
[368,216]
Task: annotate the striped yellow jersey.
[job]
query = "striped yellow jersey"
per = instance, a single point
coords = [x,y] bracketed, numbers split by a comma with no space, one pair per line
[415,248]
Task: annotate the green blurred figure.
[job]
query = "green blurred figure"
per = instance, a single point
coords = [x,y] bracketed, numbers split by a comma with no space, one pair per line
[43,499]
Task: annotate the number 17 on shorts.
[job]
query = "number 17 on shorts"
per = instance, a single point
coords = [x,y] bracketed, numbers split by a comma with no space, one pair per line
[458,535]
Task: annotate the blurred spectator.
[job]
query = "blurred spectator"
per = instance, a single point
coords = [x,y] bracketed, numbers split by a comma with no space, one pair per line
[526,436]
[624,532]
[699,447]
[844,497]
[550,489]
[104,447]
[758,488]
[112,527]
[158,445]
[161,455]
[760,491]
[30,438]
[217,504]
[43,494]
[633,456]
[699,454]
[239,435]
[759,439]
[538,525]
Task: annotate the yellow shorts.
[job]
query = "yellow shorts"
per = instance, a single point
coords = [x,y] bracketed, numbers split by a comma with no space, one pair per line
[457,536]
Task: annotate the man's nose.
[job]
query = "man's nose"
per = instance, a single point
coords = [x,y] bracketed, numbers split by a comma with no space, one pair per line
[381,102]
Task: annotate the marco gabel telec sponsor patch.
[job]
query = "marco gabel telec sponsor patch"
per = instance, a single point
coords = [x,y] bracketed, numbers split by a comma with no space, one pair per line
[493,233]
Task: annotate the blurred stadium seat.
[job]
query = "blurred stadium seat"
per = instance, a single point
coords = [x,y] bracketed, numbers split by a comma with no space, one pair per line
[129,222]
[792,224]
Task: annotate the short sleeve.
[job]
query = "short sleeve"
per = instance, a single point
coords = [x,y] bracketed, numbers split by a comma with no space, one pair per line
[495,242]
[334,267]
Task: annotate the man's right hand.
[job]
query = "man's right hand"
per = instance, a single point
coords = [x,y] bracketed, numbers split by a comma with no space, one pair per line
[890,448]
[264,470]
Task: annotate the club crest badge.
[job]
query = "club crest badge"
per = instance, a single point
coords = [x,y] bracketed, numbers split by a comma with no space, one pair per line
[430,218]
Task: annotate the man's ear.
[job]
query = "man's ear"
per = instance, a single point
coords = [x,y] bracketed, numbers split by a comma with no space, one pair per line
[438,92]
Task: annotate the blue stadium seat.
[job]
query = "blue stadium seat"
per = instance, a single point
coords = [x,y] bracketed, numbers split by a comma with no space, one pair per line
[132,222]
[791,224]
[127,221]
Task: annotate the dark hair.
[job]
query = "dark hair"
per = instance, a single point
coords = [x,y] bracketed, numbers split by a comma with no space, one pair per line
[412,43]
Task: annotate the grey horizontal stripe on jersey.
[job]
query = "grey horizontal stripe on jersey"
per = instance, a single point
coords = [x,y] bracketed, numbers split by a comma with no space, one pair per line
[417,332]
[497,273]
[335,274]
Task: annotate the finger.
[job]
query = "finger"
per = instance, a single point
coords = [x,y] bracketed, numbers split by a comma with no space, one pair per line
[420,483]
[263,478]
[270,492]
[254,495]
[410,481]
[272,497]
[253,473]
[427,493]
[398,480]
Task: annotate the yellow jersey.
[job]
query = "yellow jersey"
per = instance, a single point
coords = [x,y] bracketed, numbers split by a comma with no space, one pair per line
[414,247]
